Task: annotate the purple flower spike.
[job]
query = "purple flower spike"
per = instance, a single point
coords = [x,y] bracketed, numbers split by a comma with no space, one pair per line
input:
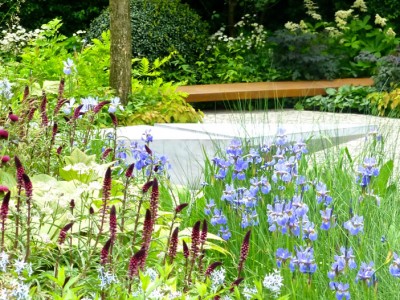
[244,251]
[63,233]
[3,134]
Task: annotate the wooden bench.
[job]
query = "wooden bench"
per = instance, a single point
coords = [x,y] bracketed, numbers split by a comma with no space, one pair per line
[260,90]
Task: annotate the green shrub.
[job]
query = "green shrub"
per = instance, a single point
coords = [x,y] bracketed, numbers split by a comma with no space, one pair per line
[388,103]
[158,102]
[344,99]
[387,73]
[387,8]
[40,66]
[246,57]
[160,27]
[353,31]
[304,55]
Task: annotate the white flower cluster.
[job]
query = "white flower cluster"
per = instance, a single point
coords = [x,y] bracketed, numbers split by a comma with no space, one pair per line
[20,290]
[360,4]
[106,278]
[312,10]
[5,89]
[294,26]
[380,21]
[273,282]
[3,261]
[20,265]
[256,37]
[17,288]
[17,37]
[217,278]
[333,31]
[249,292]
[341,17]
[390,32]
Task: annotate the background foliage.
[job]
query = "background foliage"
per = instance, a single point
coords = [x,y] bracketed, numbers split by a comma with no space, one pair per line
[159,27]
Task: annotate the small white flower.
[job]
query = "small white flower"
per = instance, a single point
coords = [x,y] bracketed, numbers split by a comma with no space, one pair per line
[45,238]
[3,261]
[273,282]
[67,108]
[248,292]
[106,278]
[4,295]
[115,104]
[5,89]
[151,273]
[20,291]
[156,294]
[68,66]
[95,186]
[217,278]
[89,103]
[175,295]
[19,266]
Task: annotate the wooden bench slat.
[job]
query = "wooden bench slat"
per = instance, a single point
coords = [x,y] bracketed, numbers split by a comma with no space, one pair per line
[259,90]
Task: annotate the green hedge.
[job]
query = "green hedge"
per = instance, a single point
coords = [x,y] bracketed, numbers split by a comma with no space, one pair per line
[159,27]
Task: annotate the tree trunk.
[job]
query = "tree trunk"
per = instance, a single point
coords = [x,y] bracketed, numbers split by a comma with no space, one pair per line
[231,17]
[121,48]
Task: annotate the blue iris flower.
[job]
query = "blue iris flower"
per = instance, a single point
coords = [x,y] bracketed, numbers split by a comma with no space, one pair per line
[366,273]
[282,255]
[218,218]
[394,268]
[304,261]
[355,225]
[326,218]
[342,290]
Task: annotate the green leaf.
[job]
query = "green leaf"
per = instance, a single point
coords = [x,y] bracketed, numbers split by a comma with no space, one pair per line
[77,156]
[331,91]
[7,179]
[61,276]
[201,288]
[379,185]
[145,280]
[51,87]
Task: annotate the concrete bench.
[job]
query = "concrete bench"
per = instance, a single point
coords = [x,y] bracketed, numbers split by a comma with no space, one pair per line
[261,90]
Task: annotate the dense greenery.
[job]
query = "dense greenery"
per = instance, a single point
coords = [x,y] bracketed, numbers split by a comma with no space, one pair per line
[51,56]
[344,99]
[160,27]
[76,14]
